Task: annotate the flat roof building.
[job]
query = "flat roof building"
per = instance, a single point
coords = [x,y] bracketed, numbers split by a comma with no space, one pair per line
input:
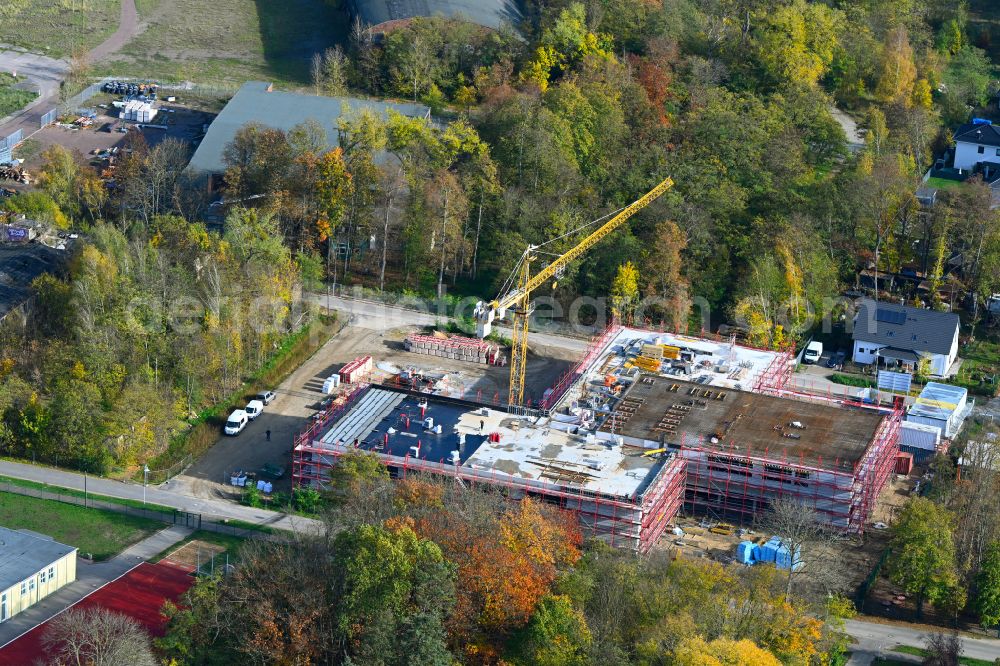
[32,566]
[258,103]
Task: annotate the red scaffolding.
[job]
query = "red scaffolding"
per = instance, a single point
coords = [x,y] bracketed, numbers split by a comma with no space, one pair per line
[738,481]
[634,522]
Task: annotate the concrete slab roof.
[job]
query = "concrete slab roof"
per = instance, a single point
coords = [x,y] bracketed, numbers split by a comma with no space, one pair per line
[487,13]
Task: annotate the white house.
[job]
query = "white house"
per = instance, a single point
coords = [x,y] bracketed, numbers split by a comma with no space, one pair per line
[975,143]
[899,336]
[32,566]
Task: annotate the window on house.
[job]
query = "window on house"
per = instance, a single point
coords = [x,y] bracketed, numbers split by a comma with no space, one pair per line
[52,573]
[24,588]
[982,149]
[31,584]
[41,577]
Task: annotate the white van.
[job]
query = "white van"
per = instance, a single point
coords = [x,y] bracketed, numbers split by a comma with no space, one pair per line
[813,351]
[254,408]
[236,422]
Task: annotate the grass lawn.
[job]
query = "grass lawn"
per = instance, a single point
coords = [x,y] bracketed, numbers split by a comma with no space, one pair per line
[72,492]
[944,183]
[226,42]
[103,534]
[12,99]
[57,27]
[920,652]
[980,363]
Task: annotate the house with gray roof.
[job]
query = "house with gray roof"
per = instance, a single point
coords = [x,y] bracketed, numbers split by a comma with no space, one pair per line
[32,566]
[899,337]
[258,102]
[976,143]
[385,15]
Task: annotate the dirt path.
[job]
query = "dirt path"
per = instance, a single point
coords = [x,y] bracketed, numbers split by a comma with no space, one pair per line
[128,28]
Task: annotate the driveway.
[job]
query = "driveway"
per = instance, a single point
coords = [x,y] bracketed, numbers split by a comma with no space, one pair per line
[877,640]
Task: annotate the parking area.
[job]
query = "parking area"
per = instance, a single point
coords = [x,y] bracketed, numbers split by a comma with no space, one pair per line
[301,395]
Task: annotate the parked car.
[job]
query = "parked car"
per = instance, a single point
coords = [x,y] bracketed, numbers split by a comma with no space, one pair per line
[267,397]
[236,422]
[814,350]
[254,408]
[837,360]
[272,471]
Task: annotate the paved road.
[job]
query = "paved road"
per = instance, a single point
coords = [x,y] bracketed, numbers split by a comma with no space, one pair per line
[89,577]
[876,639]
[163,494]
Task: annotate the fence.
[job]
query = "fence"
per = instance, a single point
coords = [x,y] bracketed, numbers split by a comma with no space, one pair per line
[7,145]
[48,118]
[195,521]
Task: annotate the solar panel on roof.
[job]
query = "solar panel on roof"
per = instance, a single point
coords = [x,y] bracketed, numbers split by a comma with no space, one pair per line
[890,316]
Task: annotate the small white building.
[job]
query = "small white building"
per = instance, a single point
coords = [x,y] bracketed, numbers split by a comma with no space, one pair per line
[942,406]
[899,337]
[975,143]
[32,566]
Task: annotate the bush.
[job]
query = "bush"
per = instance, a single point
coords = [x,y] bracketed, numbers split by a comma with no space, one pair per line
[852,380]
[306,500]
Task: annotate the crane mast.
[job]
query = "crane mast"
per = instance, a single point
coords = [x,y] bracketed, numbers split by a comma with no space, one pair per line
[518,299]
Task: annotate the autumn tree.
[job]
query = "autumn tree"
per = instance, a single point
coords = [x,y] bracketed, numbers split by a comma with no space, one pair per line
[923,561]
[625,292]
[97,636]
[897,72]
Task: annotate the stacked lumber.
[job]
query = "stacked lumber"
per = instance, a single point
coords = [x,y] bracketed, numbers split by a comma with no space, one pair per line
[455,347]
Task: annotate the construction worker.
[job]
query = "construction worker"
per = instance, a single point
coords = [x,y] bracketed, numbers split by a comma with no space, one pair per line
[267,434]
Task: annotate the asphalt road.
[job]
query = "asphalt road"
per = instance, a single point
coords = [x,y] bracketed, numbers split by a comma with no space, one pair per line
[877,640]
[163,494]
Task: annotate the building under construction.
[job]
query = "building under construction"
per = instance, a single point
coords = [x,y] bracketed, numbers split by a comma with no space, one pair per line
[645,423]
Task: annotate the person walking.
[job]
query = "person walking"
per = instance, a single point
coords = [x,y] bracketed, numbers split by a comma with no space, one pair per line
[267,434]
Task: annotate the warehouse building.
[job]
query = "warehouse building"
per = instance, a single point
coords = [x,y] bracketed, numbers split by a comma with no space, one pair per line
[258,103]
[32,567]
[625,442]
[385,15]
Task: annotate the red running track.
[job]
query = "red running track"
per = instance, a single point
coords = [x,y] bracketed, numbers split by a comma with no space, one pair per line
[139,594]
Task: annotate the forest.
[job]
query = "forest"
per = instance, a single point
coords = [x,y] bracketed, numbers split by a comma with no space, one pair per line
[430,572]
[773,211]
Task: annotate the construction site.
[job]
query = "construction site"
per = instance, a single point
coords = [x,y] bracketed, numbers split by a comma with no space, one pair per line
[646,425]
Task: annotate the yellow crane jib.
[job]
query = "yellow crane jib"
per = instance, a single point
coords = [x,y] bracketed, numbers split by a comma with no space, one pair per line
[518,299]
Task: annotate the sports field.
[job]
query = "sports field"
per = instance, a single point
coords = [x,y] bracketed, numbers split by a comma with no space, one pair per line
[139,594]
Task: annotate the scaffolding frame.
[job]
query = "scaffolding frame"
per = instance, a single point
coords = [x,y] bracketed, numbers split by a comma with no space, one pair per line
[733,480]
[634,523]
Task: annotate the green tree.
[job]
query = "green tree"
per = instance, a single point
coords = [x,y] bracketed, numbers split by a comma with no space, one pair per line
[923,553]
[988,587]
[354,470]
[556,635]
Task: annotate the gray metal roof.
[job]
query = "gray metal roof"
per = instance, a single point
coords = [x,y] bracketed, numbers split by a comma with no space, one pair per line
[905,327]
[23,554]
[488,13]
[282,110]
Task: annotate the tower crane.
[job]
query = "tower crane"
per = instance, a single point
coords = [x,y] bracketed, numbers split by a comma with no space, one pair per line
[517,298]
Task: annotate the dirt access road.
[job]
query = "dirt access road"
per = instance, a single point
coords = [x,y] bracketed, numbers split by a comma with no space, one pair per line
[47,73]
[300,394]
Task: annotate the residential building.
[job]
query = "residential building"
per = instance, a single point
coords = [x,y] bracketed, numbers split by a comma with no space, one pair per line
[977,143]
[900,337]
[32,566]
